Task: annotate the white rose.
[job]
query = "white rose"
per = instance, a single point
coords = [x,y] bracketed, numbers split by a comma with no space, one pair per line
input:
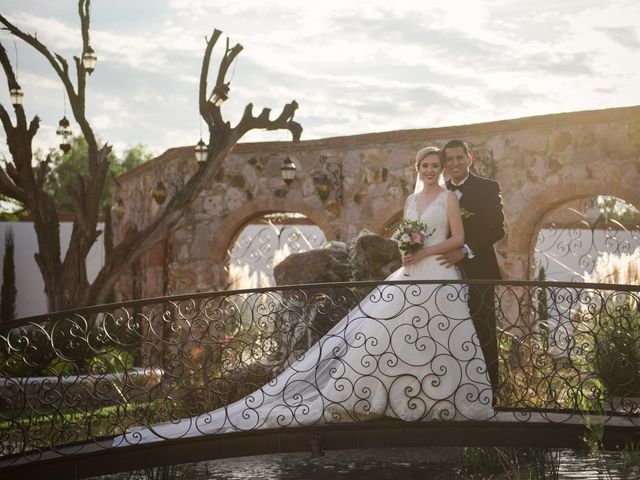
[405,238]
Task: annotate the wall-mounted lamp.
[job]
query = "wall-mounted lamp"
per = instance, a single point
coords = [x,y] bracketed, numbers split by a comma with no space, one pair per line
[201,152]
[159,193]
[288,170]
[118,209]
[323,186]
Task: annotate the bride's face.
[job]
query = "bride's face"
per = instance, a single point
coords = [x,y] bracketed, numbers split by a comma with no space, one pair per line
[430,169]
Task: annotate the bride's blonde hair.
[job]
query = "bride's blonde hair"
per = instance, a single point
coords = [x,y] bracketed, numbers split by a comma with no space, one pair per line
[428,151]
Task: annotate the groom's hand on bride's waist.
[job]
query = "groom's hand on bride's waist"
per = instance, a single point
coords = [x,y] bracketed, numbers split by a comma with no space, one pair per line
[451,257]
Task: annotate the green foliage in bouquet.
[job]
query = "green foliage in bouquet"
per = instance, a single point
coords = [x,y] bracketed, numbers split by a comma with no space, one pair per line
[411,235]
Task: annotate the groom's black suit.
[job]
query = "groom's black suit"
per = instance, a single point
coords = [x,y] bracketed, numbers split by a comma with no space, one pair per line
[483,226]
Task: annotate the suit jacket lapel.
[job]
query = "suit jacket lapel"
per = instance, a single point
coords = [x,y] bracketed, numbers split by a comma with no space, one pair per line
[469,185]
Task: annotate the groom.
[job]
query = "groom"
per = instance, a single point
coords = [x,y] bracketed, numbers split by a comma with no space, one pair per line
[483,220]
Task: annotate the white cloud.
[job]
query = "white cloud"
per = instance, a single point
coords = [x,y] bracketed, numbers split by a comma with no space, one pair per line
[30,81]
[354,67]
[51,32]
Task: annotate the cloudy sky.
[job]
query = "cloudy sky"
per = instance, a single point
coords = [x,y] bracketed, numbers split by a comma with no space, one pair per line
[354,67]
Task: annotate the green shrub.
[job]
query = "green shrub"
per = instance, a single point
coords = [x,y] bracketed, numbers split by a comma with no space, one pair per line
[613,334]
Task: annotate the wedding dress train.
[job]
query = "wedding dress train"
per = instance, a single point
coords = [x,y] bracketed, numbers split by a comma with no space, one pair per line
[406,351]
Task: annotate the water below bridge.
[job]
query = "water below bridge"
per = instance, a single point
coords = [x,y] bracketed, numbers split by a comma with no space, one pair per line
[415,463]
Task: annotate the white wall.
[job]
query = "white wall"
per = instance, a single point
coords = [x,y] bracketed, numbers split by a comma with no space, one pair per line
[566,267]
[30,297]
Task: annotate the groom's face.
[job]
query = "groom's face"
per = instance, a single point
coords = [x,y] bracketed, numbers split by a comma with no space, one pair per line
[456,163]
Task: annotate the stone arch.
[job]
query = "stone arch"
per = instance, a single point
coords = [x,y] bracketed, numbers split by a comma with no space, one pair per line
[523,232]
[257,208]
[385,217]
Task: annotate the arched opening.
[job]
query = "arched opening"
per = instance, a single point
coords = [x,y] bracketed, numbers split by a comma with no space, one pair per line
[266,240]
[590,239]
[391,225]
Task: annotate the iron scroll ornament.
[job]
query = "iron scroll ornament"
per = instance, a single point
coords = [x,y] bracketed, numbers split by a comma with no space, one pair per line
[107,371]
[336,179]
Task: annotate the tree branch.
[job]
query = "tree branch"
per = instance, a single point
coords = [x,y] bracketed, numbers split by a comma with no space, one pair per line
[6,120]
[206,108]
[227,60]
[33,128]
[20,171]
[60,68]
[42,171]
[83,12]
[12,171]
[283,122]
[63,63]
[12,83]
[8,69]
[65,282]
[138,242]
[9,188]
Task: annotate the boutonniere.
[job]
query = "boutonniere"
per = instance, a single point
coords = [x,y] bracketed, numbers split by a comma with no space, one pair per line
[464,213]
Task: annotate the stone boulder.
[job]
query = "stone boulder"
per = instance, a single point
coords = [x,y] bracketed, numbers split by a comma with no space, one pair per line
[373,257]
[368,257]
[329,264]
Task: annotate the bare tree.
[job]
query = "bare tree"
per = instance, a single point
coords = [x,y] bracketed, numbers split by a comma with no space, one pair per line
[65,279]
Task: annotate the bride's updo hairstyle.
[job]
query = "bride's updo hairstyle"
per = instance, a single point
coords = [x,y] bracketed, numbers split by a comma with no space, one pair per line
[428,151]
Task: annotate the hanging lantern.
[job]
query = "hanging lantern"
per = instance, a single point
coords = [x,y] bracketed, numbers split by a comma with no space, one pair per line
[118,209]
[16,96]
[159,193]
[219,94]
[323,186]
[89,60]
[201,152]
[288,170]
[64,132]
[64,127]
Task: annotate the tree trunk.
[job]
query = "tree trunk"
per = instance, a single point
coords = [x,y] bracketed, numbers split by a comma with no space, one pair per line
[66,284]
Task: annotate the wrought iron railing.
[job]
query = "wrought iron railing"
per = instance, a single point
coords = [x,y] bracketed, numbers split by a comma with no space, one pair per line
[406,351]
[594,238]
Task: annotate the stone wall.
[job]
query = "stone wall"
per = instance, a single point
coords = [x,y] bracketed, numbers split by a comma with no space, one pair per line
[541,162]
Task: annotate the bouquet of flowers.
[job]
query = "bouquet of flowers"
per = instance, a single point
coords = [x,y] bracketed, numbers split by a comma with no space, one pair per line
[411,236]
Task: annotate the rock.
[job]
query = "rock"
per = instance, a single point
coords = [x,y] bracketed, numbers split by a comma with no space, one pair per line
[373,257]
[560,141]
[369,257]
[329,264]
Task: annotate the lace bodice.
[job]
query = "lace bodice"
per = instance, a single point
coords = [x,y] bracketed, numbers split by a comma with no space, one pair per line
[434,216]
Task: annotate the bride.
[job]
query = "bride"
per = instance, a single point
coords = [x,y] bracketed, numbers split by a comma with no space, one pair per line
[407,351]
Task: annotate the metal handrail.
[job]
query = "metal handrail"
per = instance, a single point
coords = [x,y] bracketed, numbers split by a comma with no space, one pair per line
[565,351]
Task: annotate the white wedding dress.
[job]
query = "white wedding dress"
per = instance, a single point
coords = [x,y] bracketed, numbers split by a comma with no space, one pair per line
[406,351]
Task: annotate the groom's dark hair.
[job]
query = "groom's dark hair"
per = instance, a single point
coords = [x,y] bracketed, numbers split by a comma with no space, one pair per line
[455,144]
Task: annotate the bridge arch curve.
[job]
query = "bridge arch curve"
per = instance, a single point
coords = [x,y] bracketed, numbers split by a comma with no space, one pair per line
[101,460]
[386,217]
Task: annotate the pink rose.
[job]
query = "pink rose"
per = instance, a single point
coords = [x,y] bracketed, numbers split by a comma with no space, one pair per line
[418,237]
